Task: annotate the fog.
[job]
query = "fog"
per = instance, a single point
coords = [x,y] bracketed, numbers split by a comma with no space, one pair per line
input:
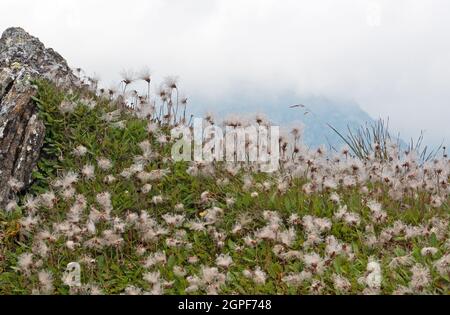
[392,57]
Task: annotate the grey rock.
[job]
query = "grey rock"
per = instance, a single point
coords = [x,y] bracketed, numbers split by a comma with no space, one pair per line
[20,50]
[23,58]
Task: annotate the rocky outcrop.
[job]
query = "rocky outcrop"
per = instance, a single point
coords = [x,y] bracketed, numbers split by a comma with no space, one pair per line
[23,58]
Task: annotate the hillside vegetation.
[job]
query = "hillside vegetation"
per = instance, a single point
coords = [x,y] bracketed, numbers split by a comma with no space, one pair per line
[107,195]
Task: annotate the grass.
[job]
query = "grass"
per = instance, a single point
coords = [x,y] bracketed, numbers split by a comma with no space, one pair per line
[118,269]
[375,139]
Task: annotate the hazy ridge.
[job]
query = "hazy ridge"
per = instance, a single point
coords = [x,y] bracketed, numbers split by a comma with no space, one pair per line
[319,111]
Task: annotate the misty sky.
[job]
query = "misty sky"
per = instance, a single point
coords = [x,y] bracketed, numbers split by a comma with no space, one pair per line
[392,57]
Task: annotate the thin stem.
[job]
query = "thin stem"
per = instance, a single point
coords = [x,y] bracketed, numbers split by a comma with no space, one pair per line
[176,111]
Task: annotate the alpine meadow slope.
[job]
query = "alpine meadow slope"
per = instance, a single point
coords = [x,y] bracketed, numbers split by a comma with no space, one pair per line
[108,211]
